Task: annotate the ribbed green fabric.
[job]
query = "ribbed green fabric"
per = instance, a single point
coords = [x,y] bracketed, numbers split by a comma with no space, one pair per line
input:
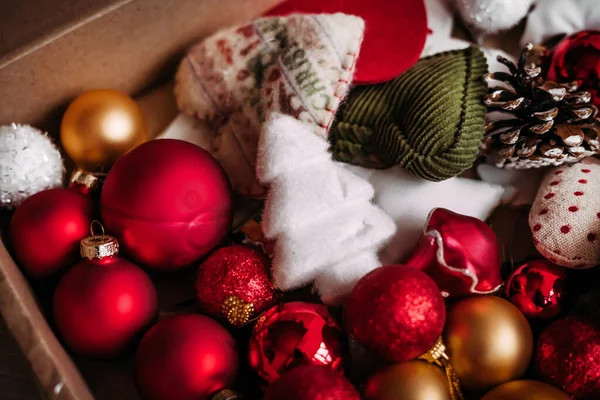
[428,121]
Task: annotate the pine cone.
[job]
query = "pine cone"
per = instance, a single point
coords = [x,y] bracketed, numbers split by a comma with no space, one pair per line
[548,123]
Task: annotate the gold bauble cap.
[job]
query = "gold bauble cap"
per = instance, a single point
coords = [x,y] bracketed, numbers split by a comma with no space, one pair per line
[88,179]
[98,246]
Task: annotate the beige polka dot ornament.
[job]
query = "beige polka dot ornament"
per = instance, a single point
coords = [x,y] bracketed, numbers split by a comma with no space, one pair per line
[565,217]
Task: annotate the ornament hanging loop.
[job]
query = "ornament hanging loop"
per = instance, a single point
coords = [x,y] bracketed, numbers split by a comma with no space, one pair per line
[437,355]
[98,224]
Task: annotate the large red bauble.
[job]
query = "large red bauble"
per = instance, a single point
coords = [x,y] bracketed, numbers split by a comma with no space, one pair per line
[186,357]
[460,253]
[233,284]
[168,202]
[311,382]
[46,229]
[296,333]
[101,305]
[537,289]
[399,24]
[577,58]
[397,312]
[568,356]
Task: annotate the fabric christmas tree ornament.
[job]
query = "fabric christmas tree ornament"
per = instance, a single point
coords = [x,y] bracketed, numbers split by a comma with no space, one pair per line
[320,214]
[299,65]
[428,121]
[565,217]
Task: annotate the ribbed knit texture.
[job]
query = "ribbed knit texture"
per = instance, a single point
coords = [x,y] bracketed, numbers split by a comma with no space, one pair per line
[428,121]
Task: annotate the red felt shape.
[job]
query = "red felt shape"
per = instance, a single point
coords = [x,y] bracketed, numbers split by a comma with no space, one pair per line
[395,32]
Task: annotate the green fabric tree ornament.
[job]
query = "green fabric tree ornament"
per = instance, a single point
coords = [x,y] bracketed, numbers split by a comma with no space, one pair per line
[428,121]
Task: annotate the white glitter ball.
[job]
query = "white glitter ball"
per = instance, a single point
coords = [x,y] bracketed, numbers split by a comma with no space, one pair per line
[29,163]
[491,16]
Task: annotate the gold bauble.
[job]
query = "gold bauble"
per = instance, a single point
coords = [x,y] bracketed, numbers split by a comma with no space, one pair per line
[100,126]
[525,390]
[412,380]
[489,342]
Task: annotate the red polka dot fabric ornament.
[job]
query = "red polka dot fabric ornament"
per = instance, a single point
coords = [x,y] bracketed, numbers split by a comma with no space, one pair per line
[296,333]
[394,36]
[186,357]
[565,216]
[233,284]
[311,382]
[568,356]
[168,202]
[397,312]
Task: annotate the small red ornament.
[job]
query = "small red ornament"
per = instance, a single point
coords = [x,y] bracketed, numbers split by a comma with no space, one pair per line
[103,302]
[397,312]
[233,284]
[168,202]
[568,356]
[296,333]
[46,229]
[398,24]
[460,253]
[186,357]
[577,58]
[537,288]
[312,382]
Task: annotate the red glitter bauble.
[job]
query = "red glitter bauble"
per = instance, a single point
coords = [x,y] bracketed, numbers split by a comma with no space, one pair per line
[101,305]
[186,357]
[537,288]
[168,202]
[296,333]
[233,284]
[46,229]
[311,382]
[397,312]
[577,58]
[568,356]
[460,253]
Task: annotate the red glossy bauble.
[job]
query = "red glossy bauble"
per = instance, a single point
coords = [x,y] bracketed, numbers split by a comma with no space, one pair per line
[460,253]
[186,357]
[568,356]
[577,58]
[46,229]
[168,202]
[296,333]
[537,288]
[103,303]
[396,311]
[233,284]
[311,382]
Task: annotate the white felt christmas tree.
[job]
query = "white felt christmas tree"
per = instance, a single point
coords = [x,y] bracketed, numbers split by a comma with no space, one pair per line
[320,214]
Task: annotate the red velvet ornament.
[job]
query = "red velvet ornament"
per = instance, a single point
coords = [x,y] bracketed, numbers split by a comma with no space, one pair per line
[397,312]
[311,382]
[577,58]
[460,253]
[168,202]
[46,229]
[568,356]
[104,302]
[233,284]
[186,357]
[537,288]
[395,32]
[296,333]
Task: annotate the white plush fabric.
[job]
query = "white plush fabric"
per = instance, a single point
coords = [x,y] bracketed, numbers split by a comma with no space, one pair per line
[320,214]
[409,199]
[440,18]
[553,17]
[491,16]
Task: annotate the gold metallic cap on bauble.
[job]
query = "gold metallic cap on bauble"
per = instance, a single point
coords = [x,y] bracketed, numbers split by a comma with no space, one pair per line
[98,246]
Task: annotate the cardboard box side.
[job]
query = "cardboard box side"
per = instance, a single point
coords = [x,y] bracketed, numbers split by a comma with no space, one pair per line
[127,49]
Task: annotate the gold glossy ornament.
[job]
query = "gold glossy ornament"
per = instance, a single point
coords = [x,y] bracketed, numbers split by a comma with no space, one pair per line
[525,390]
[99,126]
[412,380]
[489,342]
